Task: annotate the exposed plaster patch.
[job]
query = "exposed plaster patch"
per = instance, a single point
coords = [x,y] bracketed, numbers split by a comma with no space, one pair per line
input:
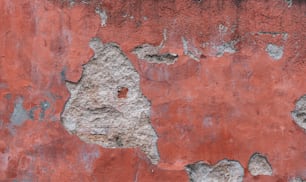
[274,51]
[297,179]
[74,2]
[151,53]
[222,29]
[289,3]
[71,2]
[190,50]
[103,16]
[19,115]
[225,171]
[226,47]
[198,1]
[97,114]
[285,36]
[220,49]
[299,113]
[259,165]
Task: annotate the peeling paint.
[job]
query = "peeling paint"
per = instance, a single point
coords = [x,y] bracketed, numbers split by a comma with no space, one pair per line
[151,53]
[289,3]
[190,50]
[226,47]
[222,29]
[103,16]
[299,113]
[274,51]
[31,112]
[43,106]
[259,165]
[296,179]
[274,34]
[225,171]
[97,114]
[219,49]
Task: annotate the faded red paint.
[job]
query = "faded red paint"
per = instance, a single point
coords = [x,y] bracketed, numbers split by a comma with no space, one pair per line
[227,107]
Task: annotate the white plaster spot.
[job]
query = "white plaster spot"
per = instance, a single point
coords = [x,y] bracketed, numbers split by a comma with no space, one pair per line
[103,16]
[274,51]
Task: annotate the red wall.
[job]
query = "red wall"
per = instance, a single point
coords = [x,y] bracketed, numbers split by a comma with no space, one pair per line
[222,106]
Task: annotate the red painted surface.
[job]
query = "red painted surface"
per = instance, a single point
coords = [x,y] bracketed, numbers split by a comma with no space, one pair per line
[227,107]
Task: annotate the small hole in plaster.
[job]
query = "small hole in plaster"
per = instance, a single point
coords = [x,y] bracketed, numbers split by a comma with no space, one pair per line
[122,92]
[118,141]
[203,56]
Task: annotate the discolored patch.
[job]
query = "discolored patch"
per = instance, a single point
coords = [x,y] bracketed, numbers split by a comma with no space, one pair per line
[19,114]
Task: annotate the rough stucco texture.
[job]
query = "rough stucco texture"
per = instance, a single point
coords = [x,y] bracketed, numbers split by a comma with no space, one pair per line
[217,81]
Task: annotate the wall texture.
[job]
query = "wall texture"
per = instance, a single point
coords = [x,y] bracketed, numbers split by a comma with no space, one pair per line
[153,90]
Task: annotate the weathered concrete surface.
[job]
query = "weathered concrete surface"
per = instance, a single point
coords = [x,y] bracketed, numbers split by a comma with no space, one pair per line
[212,103]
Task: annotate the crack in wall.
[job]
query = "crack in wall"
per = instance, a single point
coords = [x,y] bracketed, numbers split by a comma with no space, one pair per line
[152,53]
[98,113]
